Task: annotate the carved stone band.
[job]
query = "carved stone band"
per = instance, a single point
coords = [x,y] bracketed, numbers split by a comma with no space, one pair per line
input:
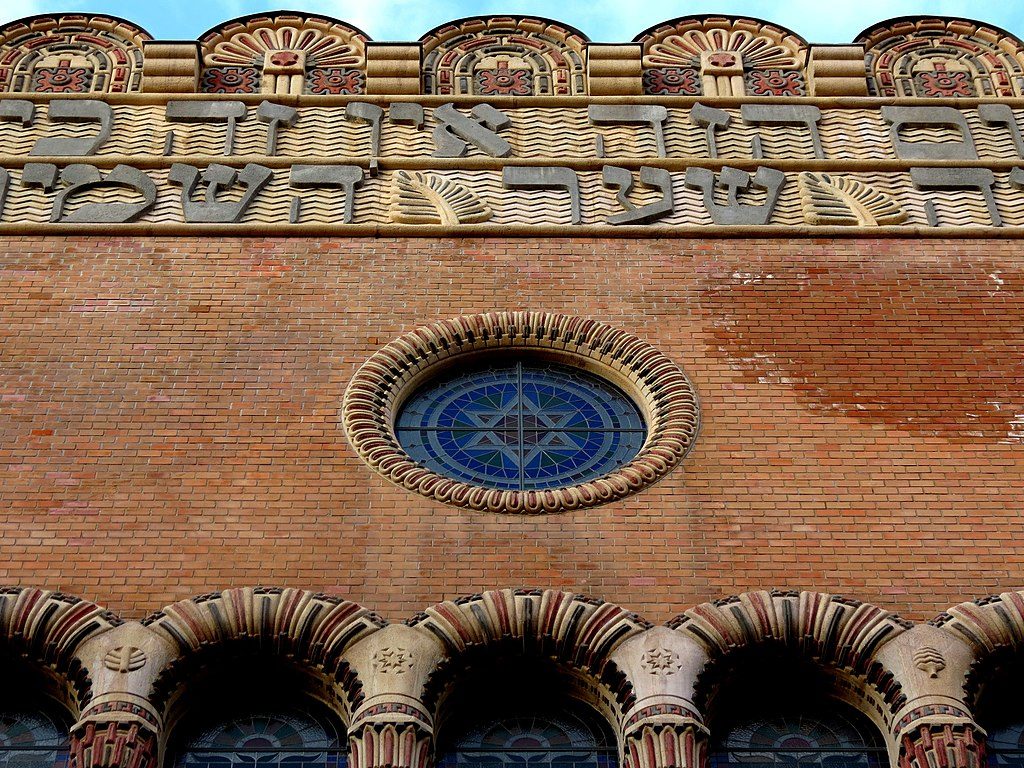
[659,387]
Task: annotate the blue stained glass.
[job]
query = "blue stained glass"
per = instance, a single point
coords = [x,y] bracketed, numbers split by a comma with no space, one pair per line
[800,740]
[559,740]
[521,427]
[31,738]
[1005,746]
[285,739]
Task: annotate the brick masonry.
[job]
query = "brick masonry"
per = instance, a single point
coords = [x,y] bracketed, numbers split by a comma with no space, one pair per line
[169,419]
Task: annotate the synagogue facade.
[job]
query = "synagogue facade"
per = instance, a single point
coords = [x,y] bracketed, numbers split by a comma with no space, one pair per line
[506,399]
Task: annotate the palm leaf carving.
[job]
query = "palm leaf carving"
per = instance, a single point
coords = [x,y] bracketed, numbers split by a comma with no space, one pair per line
[422,198]
[839,201]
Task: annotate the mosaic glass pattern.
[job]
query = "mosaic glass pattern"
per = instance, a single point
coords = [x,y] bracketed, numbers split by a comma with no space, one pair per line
[521,427]
[288,739]
[32,739]
[560,740]
[1005,746]
[818,740]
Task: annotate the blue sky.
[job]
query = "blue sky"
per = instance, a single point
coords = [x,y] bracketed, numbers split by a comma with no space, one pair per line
[603,20]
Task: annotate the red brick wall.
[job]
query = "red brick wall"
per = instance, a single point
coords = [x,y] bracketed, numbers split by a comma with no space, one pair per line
[169,419]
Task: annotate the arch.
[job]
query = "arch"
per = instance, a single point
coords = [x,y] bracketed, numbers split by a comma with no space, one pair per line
[987,624]
[993,627]
[723,56]
[533,715]
[579,632]
[794,721]
[835,633]
[941,56]
[251,716]
[311,629]
[47,628]
[285,52]
[71,53]
[504,56]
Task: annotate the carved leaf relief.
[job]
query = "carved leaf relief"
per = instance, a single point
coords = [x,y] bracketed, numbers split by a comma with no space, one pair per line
[422,198]
[839,201]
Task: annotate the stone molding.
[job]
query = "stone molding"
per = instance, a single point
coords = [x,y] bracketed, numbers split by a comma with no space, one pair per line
[650,674]
[71,53]
[942,58]
[716,56]
[504,56]
[659,387]
[284,54]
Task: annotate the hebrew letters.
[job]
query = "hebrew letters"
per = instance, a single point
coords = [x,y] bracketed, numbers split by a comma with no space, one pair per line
[1001,114]
[545,177]
[81,178]
[733,179]
[18,110]
[784,114]
[613,114]
[371,114]
[76,111]
[275,116]
[622,179]
[229,112]
[901,117]
[217,177]
[710,119]
[455,130]
[957,178]
[343,177]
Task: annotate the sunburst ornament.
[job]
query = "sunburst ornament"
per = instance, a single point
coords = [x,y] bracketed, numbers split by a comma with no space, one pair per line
[252,42]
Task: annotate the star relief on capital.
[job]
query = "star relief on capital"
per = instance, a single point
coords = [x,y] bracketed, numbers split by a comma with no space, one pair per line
[392,660]
[660,661]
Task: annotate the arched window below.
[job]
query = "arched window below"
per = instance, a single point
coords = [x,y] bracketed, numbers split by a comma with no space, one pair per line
[288,738]
[540,739]
[1006,746]
[33,737]
[816,737]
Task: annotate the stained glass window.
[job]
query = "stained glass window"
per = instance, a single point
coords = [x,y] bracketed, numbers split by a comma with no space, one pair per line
[824,739]
[1006,746]
[521,427]
[287,739]
[561,740]
[32,738]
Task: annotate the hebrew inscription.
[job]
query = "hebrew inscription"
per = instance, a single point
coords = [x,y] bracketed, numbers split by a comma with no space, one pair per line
[507,168]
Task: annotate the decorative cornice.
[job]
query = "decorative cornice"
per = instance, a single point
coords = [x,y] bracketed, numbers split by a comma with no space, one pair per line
[661,386]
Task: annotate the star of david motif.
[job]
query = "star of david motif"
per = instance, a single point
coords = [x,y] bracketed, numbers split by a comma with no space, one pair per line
[521,432]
